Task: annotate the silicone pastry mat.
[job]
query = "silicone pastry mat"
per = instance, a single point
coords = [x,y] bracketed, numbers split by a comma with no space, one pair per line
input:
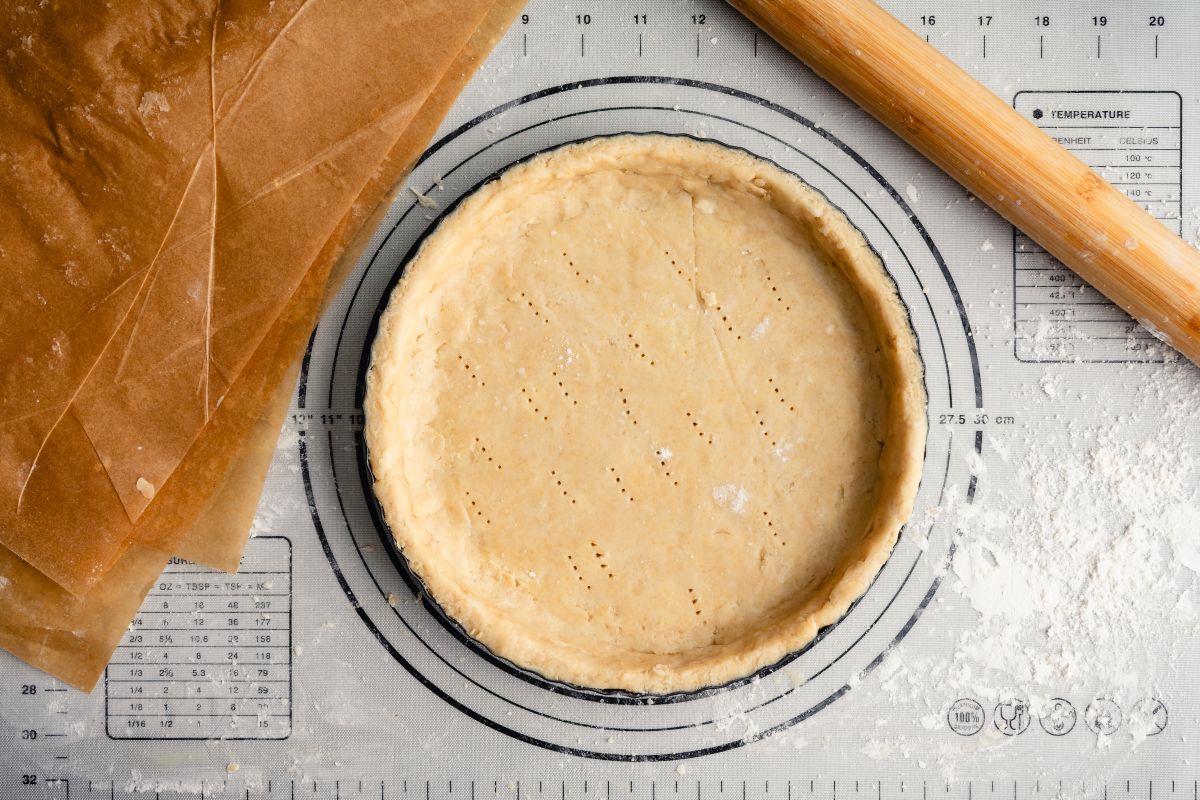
[1032,634]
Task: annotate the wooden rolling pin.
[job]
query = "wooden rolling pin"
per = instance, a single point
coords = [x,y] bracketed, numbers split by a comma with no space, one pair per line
[1003,159]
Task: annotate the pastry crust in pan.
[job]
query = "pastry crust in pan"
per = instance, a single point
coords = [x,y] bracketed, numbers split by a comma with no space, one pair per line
[645,413]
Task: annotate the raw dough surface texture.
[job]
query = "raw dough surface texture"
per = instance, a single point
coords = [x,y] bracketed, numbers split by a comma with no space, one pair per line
[645,413]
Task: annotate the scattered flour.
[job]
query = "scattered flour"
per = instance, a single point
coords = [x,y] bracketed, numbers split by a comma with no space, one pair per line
[153,102]
[735,498]
[782,449]
[424,200]
[1078,570]
[145,488]
[1083,568]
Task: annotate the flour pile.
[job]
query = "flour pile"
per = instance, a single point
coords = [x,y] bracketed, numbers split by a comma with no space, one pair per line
[1084,569]
[1079,557]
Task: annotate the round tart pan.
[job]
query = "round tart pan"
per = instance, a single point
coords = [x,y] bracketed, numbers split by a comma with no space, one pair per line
[900,414]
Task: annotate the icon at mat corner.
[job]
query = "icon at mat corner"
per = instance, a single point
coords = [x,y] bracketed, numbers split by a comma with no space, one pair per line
[1103,716]
[1059,717]
[1011,717]
[1149,717]
[965,717]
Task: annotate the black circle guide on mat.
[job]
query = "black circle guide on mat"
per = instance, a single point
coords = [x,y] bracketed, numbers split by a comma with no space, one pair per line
[435,651]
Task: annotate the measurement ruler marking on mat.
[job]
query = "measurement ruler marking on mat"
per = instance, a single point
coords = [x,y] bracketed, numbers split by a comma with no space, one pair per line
[711,789]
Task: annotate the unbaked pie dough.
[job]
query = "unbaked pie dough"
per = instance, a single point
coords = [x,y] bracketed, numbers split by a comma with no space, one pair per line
[645,413]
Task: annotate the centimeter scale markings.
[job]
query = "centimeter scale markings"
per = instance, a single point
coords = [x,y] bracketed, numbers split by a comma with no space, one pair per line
[995,31]
[47,716]
[680,789]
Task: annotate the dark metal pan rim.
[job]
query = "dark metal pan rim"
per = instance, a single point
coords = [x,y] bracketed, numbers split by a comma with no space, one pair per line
[417,585]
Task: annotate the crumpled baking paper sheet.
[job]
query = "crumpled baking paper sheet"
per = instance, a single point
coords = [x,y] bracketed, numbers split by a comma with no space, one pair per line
[187,187]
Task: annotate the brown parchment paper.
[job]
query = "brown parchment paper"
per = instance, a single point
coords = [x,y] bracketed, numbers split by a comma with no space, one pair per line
[215,539]
[72,637]
[218,536]
[68,636]
[171,178]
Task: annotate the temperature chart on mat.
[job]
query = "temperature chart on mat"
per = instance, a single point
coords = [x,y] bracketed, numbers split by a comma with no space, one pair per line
[1133,140]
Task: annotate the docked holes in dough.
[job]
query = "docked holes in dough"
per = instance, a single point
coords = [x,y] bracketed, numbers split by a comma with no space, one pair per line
[645,413]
